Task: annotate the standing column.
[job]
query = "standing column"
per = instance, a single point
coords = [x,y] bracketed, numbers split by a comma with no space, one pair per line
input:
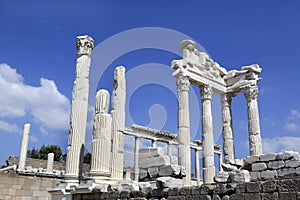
[169,149]
[253,120]
[118,122]
[227,131]
[136,158]
[50,162]
[184,154]
[79,110]
[24,147]
[197,166]
[207,135]
[101,143]
[220,161]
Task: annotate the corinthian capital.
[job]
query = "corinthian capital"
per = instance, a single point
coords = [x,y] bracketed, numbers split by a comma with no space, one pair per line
[206,91]
[84,44]
[250,92]
[183,83]
[226,99]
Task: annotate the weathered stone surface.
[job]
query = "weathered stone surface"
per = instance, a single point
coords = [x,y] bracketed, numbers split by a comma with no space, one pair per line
[288,185]
[253,187]
[285,155]
[298,171]
[154,162]
[142,174]
[268,186]
[251,159]
[237,197]
[269,196]
[240,176]
[287,195]
[228,167]
[222,177]
[169,170]
[226,197]
[167,182]
[292,163]
[276,164]
[150,152]
[255,176]
[258,167]
[252,196]
[144,185]
[268,174]
[153,172]
[286,172]
[267,157]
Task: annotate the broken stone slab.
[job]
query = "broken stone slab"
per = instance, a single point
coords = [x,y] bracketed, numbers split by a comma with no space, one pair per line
[267,157]
[154,162]
[168,182]
[169,170]
[153,172]
[222,177]
[228,167]
[237,162]
[240,176]
[125,186]
[251,159]
[286,155]
[292,163]
[145,186]
[151,152]
[286,172]
[142,174]
[258,167]
[269,174]
[276,164]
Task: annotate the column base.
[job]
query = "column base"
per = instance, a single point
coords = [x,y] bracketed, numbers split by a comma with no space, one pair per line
[209,174]
[99,173]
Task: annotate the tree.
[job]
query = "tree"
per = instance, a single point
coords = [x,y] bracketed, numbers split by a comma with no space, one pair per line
[43,153]
[34,153]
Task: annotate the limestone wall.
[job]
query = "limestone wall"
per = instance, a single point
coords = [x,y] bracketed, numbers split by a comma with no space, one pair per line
[14,186]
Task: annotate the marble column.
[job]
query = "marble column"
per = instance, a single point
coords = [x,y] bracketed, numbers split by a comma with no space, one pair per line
[227,131]
[118,122]
[24,147]
[207,135]
[184,154]
[169,149]
[197,162]
[220,162]
[136,158]
[101,142]
[255,143]
[50,161]
[79,110]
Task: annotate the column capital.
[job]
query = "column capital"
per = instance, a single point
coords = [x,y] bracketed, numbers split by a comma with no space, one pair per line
[84,44]
[183,83]
[250,92]
[226,99]
[206,91]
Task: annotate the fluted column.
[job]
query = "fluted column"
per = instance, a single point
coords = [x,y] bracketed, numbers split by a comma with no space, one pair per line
[255,143]
[50,160]
[227,131]
[79,109]
[101,143]
[169,149]
[118,122]
[24,147]
[136,158]
[207,134]
[184,154]
[197,161]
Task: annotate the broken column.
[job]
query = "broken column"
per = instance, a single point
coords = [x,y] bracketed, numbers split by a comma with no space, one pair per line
[50,161]
[101,142]
[79,109]
[255,143]
[118,122]
[207,135]
[24,147]
[227,132]
[184,154]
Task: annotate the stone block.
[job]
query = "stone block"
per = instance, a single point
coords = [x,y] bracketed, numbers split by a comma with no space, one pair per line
[144,186]
[255,176]
[267,157]
[176,197]
[225,188]
[174,191]
[237,197]
[168,182]
[151,152]
[268,174]
[228,167]
[258,166]
[286,172]
[276,164]
[286,155]
[269,186]
[252,196]
[124,194]
[298,171]
[288,185]
[204,197]
[185,191]
[153,172]
[143,174]
[207,189]
[154,162]
[169,170]
[253,187]
[222,177]
[251,159]
[240,188]
[240,176]
[269,196]
[287,195]
[292,163]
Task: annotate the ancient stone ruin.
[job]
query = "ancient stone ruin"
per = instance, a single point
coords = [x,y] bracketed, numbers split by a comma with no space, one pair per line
[162,175]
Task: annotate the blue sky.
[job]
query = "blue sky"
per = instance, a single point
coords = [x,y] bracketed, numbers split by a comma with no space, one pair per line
[37,64]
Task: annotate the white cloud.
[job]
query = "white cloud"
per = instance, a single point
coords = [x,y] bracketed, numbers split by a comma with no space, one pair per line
[47,105]
[292,127]
[293,121]
[10,128]
[277,144]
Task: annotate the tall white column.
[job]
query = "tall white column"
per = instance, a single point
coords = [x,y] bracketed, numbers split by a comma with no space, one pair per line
[101,143]
[197,161]
[169,149]
[227,131]
[50,161]
[79,110]
[24,147]
[255,142]
[207,135]
[136,158]
[118,122]
[184,154]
